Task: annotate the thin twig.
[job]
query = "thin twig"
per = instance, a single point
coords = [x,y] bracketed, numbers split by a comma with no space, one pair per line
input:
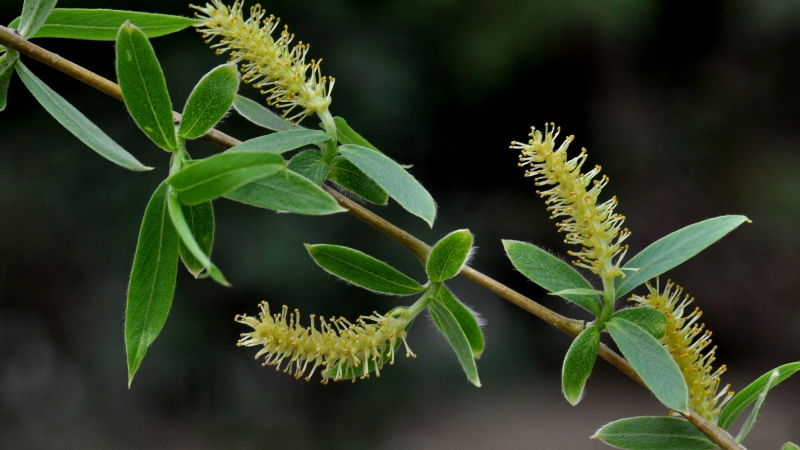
[11,39]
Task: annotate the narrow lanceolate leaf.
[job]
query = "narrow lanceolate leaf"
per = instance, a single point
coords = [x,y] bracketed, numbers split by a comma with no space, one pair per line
[647,433]
[449,255]
[209,101]
[34,15]
[281,142]
[77,123]
[392,178]
[347,175]
[578,364]
[152,281]
[674,249]
[363,270]
[649,319]
[652,362]
[143,87]
[450,328]
[185,232]
[214,177]
[551,273]
[200,219]
[466,318]
[748,395]
[103,24]
[6,70]
[347,135]
[751,419]
[286,192]
[261,116]
[310,164]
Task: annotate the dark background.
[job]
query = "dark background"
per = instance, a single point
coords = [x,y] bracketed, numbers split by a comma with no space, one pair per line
[692,109]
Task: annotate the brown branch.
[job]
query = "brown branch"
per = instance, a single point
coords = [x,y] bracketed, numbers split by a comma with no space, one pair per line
[11,39]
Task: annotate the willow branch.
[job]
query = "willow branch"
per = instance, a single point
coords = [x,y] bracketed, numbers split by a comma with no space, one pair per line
[572,327]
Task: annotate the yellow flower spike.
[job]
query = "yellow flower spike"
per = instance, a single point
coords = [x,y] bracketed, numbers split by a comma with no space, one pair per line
[594,227]
[267,62]
[685,341]
[342,349]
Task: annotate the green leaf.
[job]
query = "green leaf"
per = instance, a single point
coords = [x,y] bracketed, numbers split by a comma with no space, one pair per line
[77,123]
[674,249]
[209,178]
[578,291]
[647,433]
[103,24]
[6,70]
[750,394]
[450,328]
[209,101]
[363,270]
[751,419]
[34,15]
[347,135]
[466,318]
[652,362]
[289,192]
[578,363]
[790,446]
[144,88]
[281,142]
[152,281]
[551,273]
[347,175]
[649,319]
[200,219]
[310,164]
[185,232]
[392,178]
[449,255]
[261,116]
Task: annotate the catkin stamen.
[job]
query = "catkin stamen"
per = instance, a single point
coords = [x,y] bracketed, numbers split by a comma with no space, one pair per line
[344,350]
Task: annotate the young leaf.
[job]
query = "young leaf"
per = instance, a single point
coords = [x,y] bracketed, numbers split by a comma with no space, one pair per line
[143,87]
[213,177]
[281,142]
[652,362]
[34,15]
[392,178]
[347,135]
[455,335]
[646,433]
[6,70]
[286,191]
[152,281]
[577,291]
[77,123]
[448,255]
[103,24]
[466,319]
[790,446]
[179,222]
[649,319]
[209,101]
[551,273]
[347,175]
[310,164]
[674,249]
[751,419]
[578,363]
[749,394]
[362,270]
[200,219]
[261,116]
